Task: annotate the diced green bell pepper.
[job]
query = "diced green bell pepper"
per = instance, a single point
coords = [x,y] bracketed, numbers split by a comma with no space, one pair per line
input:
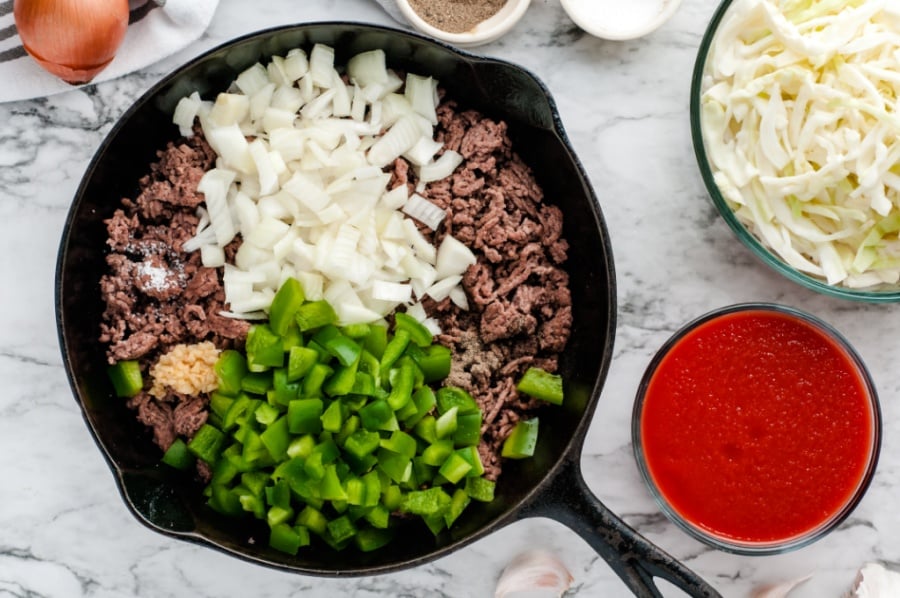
[455,468]
[333,417]
[394,349]
[331,488]
[370,539]
[391,496]
[470,454]
[225,501]
[257,383]
[126,378]
[312,383]
[418,333]
[341,381]
[303,416]
[446,424]
[376,340]
[453,396]
[362,443]
[397,467]
[278,494]
[284,305]
[437,452]
[433,501]
[341,529]
[300,362]
[265,414]
[426,429]
[542,385]
[378,517]
[219,403]
[458,503]
[178,455]
[376,415]
[230,368]
[264,347]
[288,539]
[301,446]
[276,438]
[522,440]
[207,443]
[468,429]
[434,361]
[401,443]
[402,387]
[313,519]
[315,314]
[424,401]
[480,489]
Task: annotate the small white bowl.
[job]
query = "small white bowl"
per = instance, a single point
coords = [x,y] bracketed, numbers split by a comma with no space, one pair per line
[609,20]
[484,32]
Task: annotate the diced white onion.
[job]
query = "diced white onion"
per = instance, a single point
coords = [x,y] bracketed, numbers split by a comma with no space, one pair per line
[296,64]
[459,298]
[441,289]
[453,257]
[230,108]
[421,93]
[368,67]
[299,175]
[391,291]
[321,65]
[399,139]
[185,112]
[424,211]
[440,168]
[212,256]
[214,185]
[253,79]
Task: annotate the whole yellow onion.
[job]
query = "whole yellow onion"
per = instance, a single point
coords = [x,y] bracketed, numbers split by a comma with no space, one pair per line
[73,39]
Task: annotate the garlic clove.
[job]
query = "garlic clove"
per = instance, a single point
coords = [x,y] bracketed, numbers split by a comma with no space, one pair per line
[780,590]
[534,574]
[875,581]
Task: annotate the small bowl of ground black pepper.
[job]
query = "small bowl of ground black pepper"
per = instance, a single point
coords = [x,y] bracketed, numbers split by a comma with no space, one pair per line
[464,23]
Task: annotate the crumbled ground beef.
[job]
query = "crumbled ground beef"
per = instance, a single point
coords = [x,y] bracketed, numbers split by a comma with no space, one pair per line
[520,307]
[158,296]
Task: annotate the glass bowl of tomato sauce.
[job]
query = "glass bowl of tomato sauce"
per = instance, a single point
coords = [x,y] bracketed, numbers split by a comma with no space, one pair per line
[757,428]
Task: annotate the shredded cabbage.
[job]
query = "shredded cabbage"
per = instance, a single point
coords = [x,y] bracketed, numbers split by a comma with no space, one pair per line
[799,112]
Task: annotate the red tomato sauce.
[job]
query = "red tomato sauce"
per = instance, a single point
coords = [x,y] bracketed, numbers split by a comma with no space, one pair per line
[757,427]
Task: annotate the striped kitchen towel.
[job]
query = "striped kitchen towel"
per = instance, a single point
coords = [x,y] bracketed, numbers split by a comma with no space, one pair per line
[157,28]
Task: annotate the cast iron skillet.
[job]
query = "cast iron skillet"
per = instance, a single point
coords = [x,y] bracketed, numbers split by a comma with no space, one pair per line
[549,485]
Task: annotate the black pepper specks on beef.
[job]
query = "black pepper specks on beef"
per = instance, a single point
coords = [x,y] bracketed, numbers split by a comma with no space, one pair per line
[157,295]
[520,305]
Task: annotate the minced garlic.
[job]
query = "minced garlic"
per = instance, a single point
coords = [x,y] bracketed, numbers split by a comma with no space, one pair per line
[186,369]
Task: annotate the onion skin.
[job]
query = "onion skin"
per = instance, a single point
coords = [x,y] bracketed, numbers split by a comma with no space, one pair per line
[73,39]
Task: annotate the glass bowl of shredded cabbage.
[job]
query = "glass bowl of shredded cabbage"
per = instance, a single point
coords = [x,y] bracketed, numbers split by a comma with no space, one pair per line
[795,117]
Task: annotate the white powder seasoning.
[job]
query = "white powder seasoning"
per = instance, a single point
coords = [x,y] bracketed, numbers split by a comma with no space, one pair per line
[158,277]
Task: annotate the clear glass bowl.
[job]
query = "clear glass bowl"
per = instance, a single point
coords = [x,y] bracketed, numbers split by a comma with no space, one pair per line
[884,294]
[759,547]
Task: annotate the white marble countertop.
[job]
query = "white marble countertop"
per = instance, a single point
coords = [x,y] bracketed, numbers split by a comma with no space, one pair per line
[64,531]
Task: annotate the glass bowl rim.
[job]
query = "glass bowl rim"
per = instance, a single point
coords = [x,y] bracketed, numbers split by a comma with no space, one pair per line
[796,541]
[763,253]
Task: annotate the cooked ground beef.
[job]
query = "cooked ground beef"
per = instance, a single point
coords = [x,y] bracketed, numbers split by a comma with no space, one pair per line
[157,296]
[520,307]
[520,312]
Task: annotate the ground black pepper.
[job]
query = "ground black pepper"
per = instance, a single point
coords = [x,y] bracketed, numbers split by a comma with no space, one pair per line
[456,16]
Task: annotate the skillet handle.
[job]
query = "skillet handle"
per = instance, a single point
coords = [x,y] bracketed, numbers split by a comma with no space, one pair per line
[634,558]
